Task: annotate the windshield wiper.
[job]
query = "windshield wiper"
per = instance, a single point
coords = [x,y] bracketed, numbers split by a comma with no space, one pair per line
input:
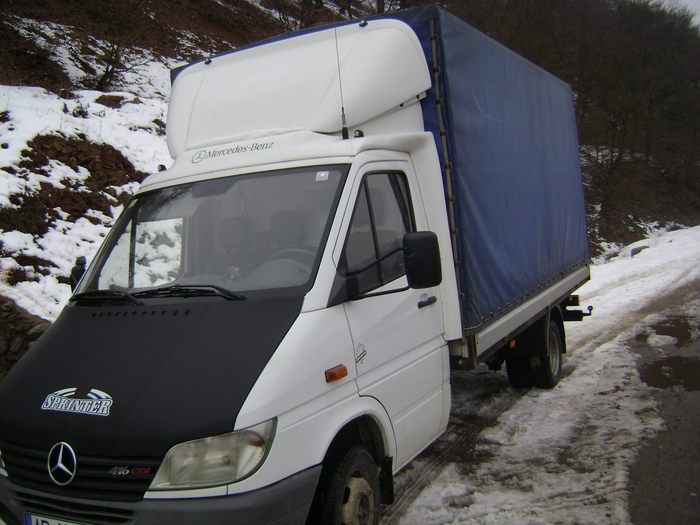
[107,294]
[192,290]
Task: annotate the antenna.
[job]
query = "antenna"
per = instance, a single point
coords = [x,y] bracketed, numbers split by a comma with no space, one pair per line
[344,123]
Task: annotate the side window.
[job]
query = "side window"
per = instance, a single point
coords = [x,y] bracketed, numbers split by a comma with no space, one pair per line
[381,218]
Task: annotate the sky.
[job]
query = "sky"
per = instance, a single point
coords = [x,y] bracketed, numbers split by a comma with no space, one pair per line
[694,5]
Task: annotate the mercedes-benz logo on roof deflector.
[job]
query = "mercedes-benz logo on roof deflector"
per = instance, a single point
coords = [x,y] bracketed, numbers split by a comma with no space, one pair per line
[199,156]
[62,463]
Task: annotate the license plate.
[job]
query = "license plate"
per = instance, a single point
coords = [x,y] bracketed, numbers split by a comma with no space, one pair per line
[32,519]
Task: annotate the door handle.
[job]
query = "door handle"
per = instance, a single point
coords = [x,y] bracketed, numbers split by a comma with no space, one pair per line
[430,300]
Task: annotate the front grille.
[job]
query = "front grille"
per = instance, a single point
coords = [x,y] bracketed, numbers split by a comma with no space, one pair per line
[72,511]
[99,478]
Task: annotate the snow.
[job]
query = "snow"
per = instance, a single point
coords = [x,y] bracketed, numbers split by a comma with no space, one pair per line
[130,129]
[145,76]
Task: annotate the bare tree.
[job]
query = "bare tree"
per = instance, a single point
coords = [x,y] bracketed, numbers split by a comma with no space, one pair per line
[120,25]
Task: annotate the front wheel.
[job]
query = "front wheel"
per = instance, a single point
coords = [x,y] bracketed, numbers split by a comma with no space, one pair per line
[353,495]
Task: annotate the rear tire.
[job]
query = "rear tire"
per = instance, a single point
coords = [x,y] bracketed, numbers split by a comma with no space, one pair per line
[353,495]
[520,373]
[548,372]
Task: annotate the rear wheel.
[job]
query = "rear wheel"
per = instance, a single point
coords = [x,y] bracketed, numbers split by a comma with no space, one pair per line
[548,371]
[353,495]
[520,372]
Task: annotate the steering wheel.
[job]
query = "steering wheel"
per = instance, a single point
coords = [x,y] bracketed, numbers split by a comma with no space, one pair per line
[306,257]
[297,264]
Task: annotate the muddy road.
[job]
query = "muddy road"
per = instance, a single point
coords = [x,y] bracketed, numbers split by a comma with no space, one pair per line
[665,479]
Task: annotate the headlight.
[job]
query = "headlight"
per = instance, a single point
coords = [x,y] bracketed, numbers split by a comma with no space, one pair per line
[217,460]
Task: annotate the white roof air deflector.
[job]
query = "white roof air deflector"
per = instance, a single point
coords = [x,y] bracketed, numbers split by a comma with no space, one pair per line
[293,84]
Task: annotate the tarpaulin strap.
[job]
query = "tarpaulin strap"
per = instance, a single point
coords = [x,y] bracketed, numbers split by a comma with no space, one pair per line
[447,165]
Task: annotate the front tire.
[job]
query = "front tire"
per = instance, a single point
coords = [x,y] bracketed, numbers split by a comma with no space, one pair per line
[353,495]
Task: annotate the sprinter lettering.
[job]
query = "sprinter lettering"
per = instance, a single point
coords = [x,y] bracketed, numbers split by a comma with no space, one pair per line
[97,404]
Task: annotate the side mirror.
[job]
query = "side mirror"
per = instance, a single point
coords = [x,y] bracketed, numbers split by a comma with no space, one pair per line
[77,272]
[422,260]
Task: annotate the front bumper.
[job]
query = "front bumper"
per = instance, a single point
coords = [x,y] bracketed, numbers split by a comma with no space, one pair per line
[286,502]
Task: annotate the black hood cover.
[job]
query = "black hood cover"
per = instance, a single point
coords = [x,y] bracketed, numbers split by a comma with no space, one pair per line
[136,380]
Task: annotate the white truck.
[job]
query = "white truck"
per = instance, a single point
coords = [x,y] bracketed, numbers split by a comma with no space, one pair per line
[267,333]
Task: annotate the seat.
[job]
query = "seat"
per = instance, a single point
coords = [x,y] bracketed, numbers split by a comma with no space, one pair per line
[236,255]
[287,239]
[286,230]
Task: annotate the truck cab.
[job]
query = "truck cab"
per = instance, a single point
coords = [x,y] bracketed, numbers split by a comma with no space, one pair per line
[248,328]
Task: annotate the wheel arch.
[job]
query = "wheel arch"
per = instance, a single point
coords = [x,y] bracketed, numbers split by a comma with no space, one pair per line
[532,340]
[366,431]
[363,430]
[556,315]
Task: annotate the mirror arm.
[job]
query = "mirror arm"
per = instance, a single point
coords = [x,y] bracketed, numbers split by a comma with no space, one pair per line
[375,294]
[374,263]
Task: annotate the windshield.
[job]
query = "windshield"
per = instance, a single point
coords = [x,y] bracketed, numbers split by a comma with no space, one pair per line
[261,234]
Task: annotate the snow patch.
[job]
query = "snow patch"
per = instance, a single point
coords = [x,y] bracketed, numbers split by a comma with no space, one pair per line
[135,129]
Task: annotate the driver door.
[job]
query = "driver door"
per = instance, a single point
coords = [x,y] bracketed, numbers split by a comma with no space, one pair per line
[400,354]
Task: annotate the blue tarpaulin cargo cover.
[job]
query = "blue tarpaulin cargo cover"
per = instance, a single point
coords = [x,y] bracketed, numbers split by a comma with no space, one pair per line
[512,147]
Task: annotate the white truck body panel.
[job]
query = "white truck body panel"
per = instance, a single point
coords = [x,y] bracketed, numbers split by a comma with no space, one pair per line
[296,85]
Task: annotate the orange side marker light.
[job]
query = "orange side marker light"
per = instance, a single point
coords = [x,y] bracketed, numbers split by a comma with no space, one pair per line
[335,373]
